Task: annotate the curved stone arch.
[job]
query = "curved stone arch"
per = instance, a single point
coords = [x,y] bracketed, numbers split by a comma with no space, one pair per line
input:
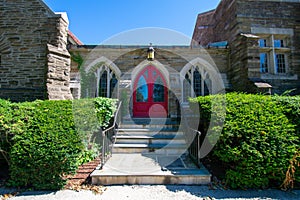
[104,65]
[99,62]
[147,63]
[207,71]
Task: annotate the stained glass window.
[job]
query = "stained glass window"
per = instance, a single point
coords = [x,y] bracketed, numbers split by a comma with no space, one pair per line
[158,90]
[197,83]
[107,82]
[142,90]
[103,85]
[194,84]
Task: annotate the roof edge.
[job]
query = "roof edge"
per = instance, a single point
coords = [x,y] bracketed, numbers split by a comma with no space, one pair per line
[47,7]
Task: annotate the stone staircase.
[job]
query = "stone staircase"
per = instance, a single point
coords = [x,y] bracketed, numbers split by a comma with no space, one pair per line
[150,151]
[150,136]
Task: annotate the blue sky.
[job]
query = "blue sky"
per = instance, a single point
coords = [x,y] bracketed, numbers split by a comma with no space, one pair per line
[96,21]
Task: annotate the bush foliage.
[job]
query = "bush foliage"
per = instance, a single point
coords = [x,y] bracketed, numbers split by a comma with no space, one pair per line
[259,138]
[48,148]
[42,142]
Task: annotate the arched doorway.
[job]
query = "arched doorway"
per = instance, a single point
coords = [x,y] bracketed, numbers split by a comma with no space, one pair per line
[150,94]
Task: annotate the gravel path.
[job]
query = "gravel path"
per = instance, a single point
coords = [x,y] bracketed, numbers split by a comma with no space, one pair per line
[155,192]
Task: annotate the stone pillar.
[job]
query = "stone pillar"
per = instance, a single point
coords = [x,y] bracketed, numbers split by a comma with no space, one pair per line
[58,76]
[59,62]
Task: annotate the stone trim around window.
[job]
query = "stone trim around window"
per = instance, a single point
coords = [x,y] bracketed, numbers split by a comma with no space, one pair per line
[274,54]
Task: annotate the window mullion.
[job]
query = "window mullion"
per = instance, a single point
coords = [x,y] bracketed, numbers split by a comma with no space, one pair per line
[274,55]
[98,81]
[108,83]
[202,83]
[192,83]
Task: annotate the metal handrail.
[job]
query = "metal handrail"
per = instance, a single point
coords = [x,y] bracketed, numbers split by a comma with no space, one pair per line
[194,140]
[108,138]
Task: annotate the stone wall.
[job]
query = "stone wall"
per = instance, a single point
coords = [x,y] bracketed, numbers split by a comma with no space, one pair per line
[58,76]
[217,25]
[26,27]
[237,21]
[278,18]
[204,27]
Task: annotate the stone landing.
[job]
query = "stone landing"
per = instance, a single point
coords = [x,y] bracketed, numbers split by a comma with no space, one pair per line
[153,169]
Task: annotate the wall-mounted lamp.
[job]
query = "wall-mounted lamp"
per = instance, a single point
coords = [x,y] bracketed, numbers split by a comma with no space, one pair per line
[150,52]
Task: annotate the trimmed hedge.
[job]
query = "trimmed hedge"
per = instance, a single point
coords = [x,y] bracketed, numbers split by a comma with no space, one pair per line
[92,115]
[43,143]
[47,149]
[5,128]
[259,138]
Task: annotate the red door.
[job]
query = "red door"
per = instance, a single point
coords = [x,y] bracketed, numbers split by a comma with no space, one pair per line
[150,96]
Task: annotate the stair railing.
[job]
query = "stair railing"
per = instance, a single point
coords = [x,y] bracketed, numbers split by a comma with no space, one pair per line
[193,139]
[108,137]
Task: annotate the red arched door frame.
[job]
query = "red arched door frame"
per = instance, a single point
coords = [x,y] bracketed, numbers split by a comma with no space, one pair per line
[150,94]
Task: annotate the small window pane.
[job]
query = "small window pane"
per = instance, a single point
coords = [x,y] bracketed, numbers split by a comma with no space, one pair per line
[146,74]
[103,85]
[278,43]
[142,90]
[113,84]
[280,63]
[154,74]
[158,90]
[262,43]
[264,63]
[186,88]
[197,83]
[207,87]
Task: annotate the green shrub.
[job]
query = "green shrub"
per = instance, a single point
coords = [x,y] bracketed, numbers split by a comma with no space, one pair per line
[292,108]
[91,117]
[43,142]
[292,111]
[5,133]
[257,142]
[105,109]
[48,148]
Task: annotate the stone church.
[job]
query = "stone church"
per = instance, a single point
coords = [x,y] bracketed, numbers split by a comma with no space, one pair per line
[242,45]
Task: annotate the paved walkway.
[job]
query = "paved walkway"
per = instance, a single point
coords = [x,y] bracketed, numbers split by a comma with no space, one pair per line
[140,164]
[150,168]
[164,192]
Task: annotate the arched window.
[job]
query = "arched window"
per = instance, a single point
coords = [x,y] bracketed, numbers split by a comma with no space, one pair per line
[196,83]
[107,82]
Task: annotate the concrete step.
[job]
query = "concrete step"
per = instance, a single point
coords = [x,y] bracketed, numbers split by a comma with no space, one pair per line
[179,177]
[145,121]
[161,123]
[149,132]
[150,169]
[167,148]
[151,126]
[144,139]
